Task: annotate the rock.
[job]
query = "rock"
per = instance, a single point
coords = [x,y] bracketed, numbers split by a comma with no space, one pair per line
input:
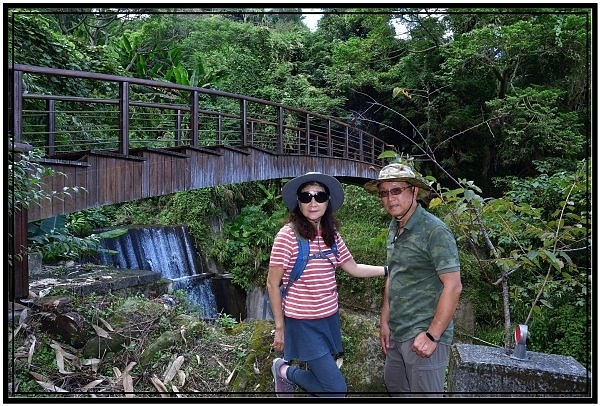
[362,366]
[71,327]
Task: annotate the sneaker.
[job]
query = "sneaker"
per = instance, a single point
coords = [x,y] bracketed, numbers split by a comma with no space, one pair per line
[283,387]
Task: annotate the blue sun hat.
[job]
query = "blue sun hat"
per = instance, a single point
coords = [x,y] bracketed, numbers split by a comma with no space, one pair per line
[333,186]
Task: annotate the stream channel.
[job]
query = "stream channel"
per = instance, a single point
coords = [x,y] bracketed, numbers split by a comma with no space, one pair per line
[169,250]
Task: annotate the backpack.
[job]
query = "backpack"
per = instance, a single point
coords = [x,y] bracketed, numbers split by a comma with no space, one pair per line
[303,257]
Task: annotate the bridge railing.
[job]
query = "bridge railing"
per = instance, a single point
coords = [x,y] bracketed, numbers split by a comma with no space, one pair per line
[86,111]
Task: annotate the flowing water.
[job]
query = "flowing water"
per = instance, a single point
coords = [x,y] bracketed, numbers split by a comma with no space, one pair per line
[168,250]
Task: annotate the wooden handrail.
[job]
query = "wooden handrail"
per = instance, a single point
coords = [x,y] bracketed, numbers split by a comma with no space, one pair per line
[261,123]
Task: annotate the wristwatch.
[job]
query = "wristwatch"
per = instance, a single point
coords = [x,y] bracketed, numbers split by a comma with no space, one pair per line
[431,337]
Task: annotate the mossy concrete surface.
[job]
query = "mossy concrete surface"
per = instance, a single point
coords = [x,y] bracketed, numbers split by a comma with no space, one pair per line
[362,365]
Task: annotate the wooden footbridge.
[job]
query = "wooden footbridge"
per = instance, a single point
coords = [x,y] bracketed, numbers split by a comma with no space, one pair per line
[122,139]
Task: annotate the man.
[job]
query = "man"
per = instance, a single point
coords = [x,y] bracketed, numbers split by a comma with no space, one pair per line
[422,290]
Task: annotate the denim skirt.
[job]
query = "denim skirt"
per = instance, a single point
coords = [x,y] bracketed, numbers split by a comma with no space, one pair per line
[306,340]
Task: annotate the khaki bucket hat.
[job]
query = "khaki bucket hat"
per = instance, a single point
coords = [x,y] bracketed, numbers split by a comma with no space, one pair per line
[396,173]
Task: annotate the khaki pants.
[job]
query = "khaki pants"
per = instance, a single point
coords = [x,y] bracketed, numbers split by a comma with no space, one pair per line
[407,374]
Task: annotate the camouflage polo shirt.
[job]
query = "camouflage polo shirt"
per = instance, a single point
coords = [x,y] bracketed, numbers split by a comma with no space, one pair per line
[425,249]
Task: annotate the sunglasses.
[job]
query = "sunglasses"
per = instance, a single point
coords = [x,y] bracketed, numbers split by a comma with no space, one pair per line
[306,197]
[395,191]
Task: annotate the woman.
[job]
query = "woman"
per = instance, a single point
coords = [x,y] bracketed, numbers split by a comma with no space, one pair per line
[307,320]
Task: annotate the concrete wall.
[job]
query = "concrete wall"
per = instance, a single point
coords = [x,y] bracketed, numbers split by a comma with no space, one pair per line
[484,371]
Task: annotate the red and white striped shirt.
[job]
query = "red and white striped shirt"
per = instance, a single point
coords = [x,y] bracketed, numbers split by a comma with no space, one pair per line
[314,295]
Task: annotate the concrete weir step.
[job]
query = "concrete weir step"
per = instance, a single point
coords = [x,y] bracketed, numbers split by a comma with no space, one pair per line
[83,280]
[485,371]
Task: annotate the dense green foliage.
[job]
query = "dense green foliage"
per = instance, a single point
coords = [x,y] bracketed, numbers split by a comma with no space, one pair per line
[535,250]
[56,238]
[494,106]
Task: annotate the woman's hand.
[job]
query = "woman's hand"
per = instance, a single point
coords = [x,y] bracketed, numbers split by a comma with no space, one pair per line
[278,340]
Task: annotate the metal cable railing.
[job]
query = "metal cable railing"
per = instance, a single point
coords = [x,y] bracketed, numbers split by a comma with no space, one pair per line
[93,111]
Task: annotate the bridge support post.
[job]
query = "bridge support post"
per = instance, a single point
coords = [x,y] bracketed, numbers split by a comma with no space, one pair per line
[18,263]
[18,275]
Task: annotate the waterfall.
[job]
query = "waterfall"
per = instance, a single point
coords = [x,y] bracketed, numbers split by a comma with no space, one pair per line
[169,251]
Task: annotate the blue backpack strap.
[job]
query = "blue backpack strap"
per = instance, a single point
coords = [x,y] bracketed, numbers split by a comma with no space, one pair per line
[300,264]
[323,254]
[301,261]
